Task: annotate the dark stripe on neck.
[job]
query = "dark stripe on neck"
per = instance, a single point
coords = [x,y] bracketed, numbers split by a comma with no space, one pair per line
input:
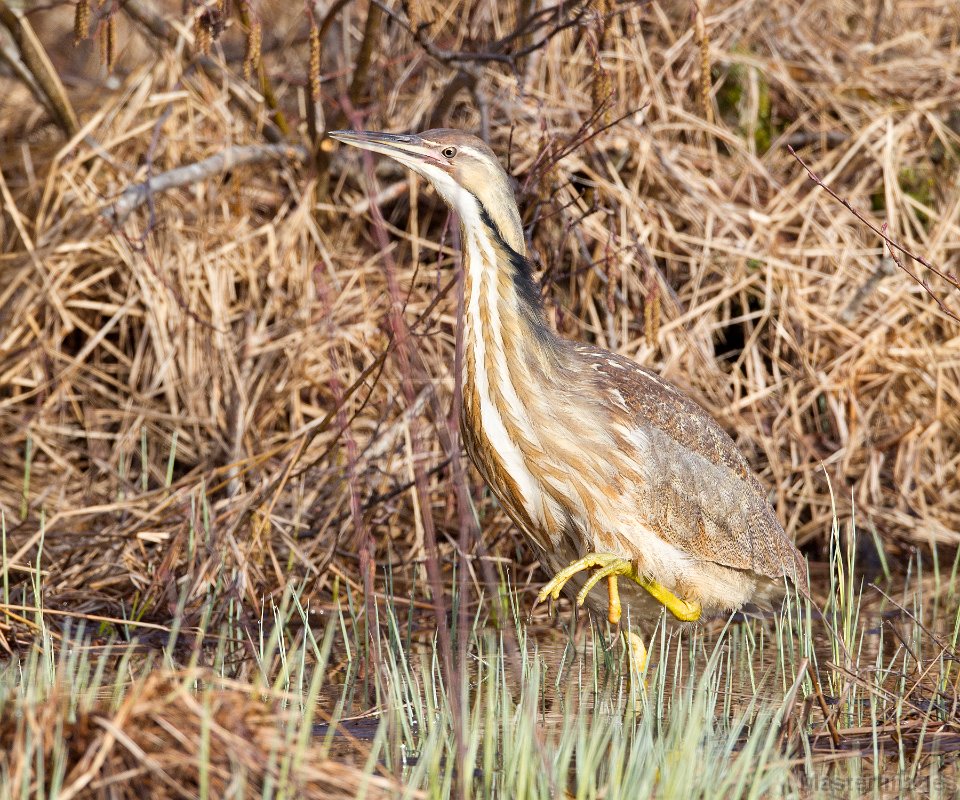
[521,269]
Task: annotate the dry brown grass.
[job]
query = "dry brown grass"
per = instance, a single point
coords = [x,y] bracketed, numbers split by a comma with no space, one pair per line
[244,317]
[163,740]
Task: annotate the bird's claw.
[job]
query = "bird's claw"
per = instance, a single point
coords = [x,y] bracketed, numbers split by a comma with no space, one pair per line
[554,586]
[612,567]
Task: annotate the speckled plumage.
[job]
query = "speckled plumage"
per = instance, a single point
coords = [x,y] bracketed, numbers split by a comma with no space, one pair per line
[585,450]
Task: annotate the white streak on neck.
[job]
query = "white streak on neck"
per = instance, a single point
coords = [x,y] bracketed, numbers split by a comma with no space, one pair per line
[482,279]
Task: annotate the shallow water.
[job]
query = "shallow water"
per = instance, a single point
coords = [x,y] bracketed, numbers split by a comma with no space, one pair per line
[893,731]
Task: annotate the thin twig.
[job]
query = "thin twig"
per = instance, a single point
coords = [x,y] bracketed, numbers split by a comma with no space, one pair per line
[404,352]
[365,546]
[822,702]
[892,244]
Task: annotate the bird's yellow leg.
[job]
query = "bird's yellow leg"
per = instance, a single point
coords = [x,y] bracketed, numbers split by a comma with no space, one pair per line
[612,567]
[613,600]
[683,610]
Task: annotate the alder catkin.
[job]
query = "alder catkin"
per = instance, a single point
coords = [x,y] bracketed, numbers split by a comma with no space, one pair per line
[613,277]
[81,21]
[651,315]
[314,77]
[108,42]
[600,90]
[601,87]
[202,38]
[416,14]
[251,59]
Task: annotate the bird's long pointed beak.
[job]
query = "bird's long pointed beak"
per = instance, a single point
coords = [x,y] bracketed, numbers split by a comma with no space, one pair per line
[398,146]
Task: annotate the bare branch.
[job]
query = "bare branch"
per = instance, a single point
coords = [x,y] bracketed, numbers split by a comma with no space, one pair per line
[498,51]
[138,194]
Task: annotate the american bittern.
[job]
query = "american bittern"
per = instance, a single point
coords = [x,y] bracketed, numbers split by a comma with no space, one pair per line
[608,469]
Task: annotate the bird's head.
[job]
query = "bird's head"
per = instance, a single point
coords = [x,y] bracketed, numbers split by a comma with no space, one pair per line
[461,167]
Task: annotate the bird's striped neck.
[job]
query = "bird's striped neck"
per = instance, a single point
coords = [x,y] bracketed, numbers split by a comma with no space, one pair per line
[507,309]
[503,311]
[508,350]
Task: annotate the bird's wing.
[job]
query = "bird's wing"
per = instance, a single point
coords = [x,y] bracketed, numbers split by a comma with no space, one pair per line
[703,496]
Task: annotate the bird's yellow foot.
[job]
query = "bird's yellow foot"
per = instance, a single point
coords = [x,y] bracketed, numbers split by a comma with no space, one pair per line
[611,567]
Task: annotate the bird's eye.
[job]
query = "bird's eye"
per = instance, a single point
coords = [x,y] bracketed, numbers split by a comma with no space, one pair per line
[449,152]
